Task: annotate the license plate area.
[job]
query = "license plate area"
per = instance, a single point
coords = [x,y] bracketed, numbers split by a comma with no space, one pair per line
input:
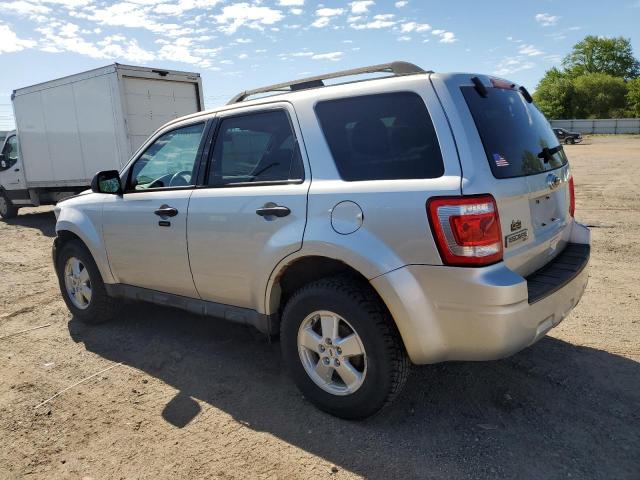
[547,211]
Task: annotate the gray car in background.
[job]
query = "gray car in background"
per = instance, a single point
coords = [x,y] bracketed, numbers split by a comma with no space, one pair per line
[416,218]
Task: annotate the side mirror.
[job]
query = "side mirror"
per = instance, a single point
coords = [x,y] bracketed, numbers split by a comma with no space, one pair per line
[107,181]
[3,162]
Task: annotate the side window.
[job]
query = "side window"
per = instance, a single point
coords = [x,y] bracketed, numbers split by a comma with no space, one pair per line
[258,147]
[381,137]
[10,153]
[170,161]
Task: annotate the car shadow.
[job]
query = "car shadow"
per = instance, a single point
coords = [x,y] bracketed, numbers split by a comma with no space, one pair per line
[554,410]
[45,221]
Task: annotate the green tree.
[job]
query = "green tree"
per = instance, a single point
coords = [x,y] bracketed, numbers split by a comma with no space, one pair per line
[613,56]
[601,96]
[555,95]
[633,97]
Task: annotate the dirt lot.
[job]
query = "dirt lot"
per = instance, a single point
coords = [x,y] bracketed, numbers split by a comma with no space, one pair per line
[189,397]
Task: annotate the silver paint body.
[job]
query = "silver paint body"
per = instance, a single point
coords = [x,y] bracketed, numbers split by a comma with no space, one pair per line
[219,250]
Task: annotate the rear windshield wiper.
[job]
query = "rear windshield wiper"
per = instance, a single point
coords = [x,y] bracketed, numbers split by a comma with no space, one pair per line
[547,153]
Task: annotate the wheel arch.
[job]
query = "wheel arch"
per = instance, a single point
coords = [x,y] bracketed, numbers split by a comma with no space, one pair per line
[304,269]
[67,230]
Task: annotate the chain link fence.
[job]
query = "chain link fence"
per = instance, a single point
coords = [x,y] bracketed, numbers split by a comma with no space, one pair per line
[602,125]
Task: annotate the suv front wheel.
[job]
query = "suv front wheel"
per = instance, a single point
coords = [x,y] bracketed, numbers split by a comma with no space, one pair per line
[342,348]
[81,285]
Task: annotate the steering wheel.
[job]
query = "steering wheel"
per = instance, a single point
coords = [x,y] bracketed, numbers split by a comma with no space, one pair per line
[180,179]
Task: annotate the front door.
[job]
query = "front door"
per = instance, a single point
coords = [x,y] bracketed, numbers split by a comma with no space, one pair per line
[252,211]
[145,229]
[11,175]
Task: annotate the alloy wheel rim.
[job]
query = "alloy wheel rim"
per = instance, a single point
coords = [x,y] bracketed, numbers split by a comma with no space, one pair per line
[77,283]
[332,353]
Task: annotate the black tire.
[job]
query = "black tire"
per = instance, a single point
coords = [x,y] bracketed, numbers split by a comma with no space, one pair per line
[387,363]
[7,208]
[102,307]
[570,141]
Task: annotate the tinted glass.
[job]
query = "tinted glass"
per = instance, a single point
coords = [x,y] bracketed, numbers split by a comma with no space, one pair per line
[513,133]
[259,147]
[381,137]
[169,161]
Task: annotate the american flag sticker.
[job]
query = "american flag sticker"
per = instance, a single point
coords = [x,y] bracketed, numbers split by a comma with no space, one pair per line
[500,160]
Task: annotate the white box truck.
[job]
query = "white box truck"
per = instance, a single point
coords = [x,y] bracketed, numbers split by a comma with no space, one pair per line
[70,128]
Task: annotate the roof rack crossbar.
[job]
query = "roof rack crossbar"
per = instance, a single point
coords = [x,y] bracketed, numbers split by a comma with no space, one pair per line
[394,68]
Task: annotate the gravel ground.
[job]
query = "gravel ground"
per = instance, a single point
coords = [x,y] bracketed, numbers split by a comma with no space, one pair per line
[190,397]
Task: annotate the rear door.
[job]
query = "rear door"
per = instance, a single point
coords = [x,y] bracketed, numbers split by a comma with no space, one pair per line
[508,149]
[252,211]
[151,103]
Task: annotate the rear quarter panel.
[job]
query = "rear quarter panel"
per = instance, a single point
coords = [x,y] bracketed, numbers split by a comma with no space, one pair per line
[395,230]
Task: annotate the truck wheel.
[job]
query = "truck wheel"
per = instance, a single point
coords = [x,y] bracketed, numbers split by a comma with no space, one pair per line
[7,208]
[342,348]
[81,285]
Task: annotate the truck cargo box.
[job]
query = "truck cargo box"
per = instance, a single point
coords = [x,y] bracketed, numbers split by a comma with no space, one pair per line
[72,127]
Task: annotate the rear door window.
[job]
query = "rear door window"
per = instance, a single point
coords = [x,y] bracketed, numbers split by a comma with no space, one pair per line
[256,148]
[381,137]
[516,136]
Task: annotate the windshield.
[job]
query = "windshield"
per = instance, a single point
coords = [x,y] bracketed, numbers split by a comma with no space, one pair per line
[516,137]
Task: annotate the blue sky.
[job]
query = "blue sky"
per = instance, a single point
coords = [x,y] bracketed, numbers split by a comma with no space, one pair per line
[239,44]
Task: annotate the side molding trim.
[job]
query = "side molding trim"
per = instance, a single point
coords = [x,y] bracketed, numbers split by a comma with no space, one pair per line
[245,316]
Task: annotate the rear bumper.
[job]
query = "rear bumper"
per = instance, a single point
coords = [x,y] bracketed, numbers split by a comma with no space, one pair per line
[449,313]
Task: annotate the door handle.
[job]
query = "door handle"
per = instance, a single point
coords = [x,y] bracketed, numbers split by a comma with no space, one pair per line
[166,211]
[16,170]
[275,211]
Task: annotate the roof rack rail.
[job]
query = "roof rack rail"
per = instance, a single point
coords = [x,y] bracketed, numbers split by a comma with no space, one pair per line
[395,68]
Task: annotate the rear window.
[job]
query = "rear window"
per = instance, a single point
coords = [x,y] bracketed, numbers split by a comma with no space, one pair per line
[514,133]
[381,137]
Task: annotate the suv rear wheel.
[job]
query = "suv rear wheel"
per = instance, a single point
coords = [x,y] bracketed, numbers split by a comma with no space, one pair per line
[7,208]
[342,348]
[81,285]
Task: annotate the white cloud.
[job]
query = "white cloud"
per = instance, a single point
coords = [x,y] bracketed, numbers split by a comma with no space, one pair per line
[21,7]
[445,37]
[379,21]
[65,38]
[329,12]
[321,22]
[448,37]
[361,6]
[324,16]
[243,56]
[547,20]
[404,38]
[290,3]
[530,51]
[376,24]
[333,56]
[243,14]
[296,11]
[401,3]
[10,42]
[511,65]
[413,26]
[183,6]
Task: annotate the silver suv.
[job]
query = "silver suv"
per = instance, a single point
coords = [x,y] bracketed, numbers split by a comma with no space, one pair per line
[414,217]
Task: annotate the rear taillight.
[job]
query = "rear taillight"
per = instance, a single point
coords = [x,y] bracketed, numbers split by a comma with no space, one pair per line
[466,229]
[572,198]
